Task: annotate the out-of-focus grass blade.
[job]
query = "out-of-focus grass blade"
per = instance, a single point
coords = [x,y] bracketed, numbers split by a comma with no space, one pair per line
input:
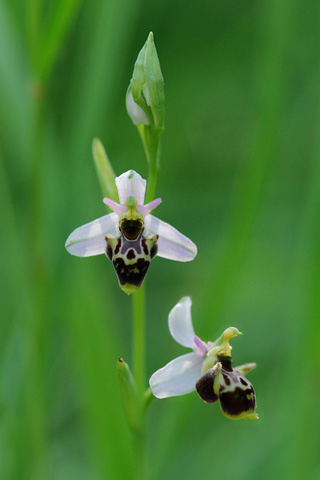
[276,30]
[27,421]
[34,10]
[98,60]
[54,35]
[304,422]
[14,101]
[276,24]
[95,357]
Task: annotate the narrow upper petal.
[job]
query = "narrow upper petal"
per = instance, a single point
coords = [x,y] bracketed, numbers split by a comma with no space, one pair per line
[119,209]
[131,184]
[180,323]
[90,238]
[145,209]
[201,345]
[178,377]
[171,244]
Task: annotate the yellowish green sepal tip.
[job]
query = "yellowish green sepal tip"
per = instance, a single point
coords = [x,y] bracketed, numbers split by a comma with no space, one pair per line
[243,415]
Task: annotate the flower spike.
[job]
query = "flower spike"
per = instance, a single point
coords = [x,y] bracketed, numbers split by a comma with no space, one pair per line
[208,369]
[130,237]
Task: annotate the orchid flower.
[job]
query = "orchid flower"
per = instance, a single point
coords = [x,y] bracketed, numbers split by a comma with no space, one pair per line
[130,237]
[208,369]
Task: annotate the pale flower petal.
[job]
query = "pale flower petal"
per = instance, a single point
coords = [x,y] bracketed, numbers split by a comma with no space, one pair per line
[180,323]
[178,377]
[171,244]
[131,184]
[137,115]
[90,238]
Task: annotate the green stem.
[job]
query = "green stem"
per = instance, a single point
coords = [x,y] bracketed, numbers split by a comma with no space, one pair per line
[151,141]
[139,440]
[147,398]
[152,181]
[151,145]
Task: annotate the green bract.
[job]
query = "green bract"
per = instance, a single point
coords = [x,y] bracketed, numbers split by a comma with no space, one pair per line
[104,170]
[131,402]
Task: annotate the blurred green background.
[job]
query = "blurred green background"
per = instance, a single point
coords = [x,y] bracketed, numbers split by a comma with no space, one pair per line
[240,175]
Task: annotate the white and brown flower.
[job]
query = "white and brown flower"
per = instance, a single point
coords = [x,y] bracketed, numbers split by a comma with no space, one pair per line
[208,369]
[130,237]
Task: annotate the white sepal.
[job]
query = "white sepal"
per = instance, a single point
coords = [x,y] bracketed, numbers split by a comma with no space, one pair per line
[178,377]
[180,323]
[171,244]
[131,184]
[90,238]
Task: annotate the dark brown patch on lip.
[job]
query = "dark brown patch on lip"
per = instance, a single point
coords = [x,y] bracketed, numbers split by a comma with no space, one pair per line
[243,381]
[154,249]
[131,228]
[108,249]
[236,402]
[226,379]
[131,254]
[144,246]
[226,362]
[131,274]
[204,387]
[117,249]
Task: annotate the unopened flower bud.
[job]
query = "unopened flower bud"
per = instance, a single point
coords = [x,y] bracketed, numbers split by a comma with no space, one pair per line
[145,95]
